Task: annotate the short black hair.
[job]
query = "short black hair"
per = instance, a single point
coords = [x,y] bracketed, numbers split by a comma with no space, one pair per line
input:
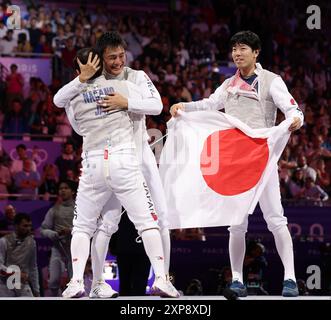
[71,184]
[246,37]
[21,146]
[82,55]
[110,39]
[19,217]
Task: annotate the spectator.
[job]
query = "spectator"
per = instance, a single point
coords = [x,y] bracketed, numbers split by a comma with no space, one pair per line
[49,181]
[66,161]
[15,84]
[323,177]
[19,248]
[314,192]
[7,223]
[15,121]
[23,45]
[133,263]
[8,44]
[17,164]
[297,183]
[57,226]
[27,181]
[5,178]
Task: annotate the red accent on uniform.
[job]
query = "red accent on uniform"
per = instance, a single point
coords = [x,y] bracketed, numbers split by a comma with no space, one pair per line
[105,155]
[242,161]
[293,102]
[154,216]
[74,260]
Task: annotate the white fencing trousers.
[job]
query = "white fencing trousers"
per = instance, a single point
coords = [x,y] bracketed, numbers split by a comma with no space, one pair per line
[109,177]
[151,174]
[271,206]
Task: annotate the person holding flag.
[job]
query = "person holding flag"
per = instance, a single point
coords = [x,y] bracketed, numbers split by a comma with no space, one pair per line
[253,95]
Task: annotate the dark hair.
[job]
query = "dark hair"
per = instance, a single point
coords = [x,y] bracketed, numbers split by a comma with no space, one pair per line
[19,217]
[71,184]
[21,146]
[82,55]
[246,37]
[110,39]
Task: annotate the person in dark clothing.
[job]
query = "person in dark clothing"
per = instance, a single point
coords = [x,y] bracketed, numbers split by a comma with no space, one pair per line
[133,263]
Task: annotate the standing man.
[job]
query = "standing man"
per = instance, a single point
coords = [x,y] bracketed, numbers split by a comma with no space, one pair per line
[19,249]
[253,95]
[112,48]
[57,226]
[111,174]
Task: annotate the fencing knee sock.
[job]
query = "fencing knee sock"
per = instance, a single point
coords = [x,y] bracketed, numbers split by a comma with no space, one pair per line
[237,248]
[165,236]
[80,249]
[284,247]
[99,250]
[153,246]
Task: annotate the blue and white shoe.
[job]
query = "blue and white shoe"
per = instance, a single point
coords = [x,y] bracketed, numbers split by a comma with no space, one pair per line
[290,288]
[239,288]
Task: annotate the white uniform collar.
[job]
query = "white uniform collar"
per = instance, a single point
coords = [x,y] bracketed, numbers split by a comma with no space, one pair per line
[258,68]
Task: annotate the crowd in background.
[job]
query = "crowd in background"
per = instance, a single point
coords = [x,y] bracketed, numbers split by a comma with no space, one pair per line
[183,54]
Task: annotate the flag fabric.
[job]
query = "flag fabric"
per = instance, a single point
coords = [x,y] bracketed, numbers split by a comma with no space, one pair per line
[214,167]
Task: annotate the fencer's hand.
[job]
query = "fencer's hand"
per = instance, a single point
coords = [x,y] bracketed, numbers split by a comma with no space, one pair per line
[296,124]
[88,70]
[114,101]
[175,107]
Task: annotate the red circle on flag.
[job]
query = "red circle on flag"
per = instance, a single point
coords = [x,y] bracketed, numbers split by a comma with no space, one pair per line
[231,162]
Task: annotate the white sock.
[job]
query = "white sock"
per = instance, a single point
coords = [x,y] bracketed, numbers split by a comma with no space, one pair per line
[154,250]
[165,236]
[237,249]
[99,250]
[284,247]
[80,249]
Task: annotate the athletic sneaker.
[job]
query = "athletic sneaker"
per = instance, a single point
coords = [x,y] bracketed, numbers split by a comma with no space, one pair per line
[239,288]
[75,289]
[164,288]
[290,288]
[101,289]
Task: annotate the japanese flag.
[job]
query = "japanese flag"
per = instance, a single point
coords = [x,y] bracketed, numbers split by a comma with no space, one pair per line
[214,167]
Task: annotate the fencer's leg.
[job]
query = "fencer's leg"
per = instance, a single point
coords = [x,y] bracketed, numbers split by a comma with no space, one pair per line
[153,246]
[237,249]
[108,225]
[135,196]
[92,195]
[273,213]
[166,244]
[152,177]
[80,250]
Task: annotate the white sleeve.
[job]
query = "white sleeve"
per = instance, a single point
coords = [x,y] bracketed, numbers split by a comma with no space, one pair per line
[71,118]
[68,92]
[284,100]
[214,102]
[151,102]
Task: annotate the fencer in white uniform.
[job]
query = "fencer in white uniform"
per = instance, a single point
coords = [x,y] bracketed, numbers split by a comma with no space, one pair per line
[253,95]
[110,173]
